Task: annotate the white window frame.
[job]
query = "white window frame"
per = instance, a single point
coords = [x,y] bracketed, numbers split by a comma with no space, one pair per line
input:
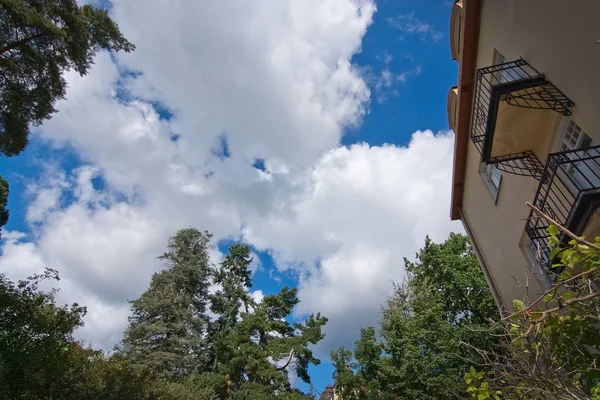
[504,76]
[566,141]
[492,177]
[567,124]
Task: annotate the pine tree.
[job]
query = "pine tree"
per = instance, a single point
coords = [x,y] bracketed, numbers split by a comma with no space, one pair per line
[167,331]
[264,347]
[241,349]
[254,345]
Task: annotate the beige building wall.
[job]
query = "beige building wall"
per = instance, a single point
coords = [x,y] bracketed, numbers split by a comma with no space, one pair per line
[498,228]
[557,38]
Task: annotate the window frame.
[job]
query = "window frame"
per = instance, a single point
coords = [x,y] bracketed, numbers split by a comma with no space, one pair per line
[488,172]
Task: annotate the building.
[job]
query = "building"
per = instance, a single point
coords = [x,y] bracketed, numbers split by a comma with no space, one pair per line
[328,393]
[526,117]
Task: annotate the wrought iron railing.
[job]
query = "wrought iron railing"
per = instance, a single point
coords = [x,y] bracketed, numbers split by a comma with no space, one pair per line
[568,192]
[518,84]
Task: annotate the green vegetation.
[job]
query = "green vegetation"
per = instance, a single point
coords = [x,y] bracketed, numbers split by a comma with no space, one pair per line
[440,336]
[184,340]
[444,302]
[39,359]
[550,348]
[39,41]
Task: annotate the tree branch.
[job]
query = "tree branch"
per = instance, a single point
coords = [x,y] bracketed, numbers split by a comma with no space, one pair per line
[18,43]
[288,361]
[561,228]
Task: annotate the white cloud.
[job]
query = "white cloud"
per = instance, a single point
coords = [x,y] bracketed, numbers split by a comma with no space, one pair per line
[362,210]
[275,79]
[409,24]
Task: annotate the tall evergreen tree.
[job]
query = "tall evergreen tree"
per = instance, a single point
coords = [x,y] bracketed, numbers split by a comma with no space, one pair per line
[167,331]
[241,349]
[254,345]
[263,348]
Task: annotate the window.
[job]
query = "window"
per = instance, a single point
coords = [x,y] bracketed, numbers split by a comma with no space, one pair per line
[584,171]
[492,177]
[572,137]
[513,73]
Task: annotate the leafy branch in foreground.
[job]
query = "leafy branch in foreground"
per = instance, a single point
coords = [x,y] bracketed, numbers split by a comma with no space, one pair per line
[550,347]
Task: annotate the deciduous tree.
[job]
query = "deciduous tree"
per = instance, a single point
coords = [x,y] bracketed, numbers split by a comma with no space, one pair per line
[444,301]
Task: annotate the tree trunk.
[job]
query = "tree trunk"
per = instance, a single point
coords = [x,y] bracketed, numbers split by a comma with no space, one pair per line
[228,386]
[14,45]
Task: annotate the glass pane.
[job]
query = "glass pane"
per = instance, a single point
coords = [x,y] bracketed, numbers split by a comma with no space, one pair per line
[496,176]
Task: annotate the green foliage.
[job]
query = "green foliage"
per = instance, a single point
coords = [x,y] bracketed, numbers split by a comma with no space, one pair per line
[243,349]
[168,322]
[172,349]
[186,390]
[36,344]
[478,388]
[444,303]
[551,347]
[39,358]
[39,40]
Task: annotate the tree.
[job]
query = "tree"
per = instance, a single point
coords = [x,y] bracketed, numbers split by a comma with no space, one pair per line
[39,40]
[444,302]
[253,345]
[550,347]
[167,329]
[263,348]
[35,338]
[241,349]
[39,358]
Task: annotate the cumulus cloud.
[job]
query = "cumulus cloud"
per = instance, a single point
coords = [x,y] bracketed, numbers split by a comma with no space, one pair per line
[362,210]
[269,81]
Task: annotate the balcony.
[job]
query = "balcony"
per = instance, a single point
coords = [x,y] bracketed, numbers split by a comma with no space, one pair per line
[569,192]
[515,111]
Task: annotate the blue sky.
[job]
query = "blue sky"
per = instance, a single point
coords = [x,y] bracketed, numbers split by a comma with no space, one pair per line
[104,182]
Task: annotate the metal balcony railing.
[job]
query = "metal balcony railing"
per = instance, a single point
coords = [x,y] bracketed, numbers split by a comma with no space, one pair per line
[569,192]
[518,84]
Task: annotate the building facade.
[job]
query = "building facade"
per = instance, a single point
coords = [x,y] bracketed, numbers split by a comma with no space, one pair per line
[526,117]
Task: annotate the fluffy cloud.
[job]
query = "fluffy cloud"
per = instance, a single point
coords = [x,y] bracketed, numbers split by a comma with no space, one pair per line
[272,80]
[361,211]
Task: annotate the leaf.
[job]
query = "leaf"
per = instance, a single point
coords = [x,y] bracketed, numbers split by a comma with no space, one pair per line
[554,252]
[518,305]
[553,230]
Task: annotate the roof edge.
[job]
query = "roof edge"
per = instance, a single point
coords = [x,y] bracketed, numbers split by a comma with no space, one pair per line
[466,78]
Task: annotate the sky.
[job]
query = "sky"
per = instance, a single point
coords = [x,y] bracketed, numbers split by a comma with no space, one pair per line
[315,131]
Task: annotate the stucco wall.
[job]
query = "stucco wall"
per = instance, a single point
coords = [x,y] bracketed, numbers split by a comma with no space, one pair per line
[558,39]
[521,129]
[498,227]
[564,50]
